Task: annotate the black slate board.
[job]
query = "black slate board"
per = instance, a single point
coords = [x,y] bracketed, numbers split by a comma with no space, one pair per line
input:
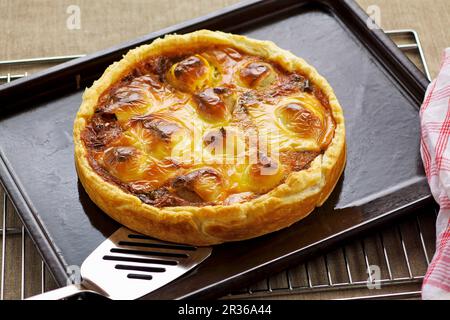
[379,89]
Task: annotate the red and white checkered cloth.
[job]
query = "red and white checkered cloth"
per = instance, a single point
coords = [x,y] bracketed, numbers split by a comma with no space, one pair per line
[435,151]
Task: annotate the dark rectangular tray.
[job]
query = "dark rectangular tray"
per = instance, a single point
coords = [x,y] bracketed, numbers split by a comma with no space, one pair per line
[378,87]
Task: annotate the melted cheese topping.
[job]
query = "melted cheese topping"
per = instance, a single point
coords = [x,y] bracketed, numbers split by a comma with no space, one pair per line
[215,126]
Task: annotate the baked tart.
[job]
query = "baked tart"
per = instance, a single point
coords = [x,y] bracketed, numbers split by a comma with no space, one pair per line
[209,137]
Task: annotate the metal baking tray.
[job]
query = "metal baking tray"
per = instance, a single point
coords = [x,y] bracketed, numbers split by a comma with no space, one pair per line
[378,87]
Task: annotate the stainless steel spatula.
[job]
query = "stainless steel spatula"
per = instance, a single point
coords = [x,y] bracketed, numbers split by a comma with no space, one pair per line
[129,265]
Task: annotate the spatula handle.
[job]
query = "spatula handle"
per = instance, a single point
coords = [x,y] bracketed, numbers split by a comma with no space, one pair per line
[60,293]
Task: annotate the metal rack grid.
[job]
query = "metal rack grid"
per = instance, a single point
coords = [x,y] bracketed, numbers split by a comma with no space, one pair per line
[415,45]
[342,269]
[401,252]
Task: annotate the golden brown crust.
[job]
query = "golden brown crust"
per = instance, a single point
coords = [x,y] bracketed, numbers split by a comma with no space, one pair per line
[289,202]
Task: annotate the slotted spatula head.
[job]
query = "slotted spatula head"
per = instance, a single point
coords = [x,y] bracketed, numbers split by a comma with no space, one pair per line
[129,265]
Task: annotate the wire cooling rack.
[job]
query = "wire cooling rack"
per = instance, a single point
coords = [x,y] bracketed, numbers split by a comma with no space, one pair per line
[400,252]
